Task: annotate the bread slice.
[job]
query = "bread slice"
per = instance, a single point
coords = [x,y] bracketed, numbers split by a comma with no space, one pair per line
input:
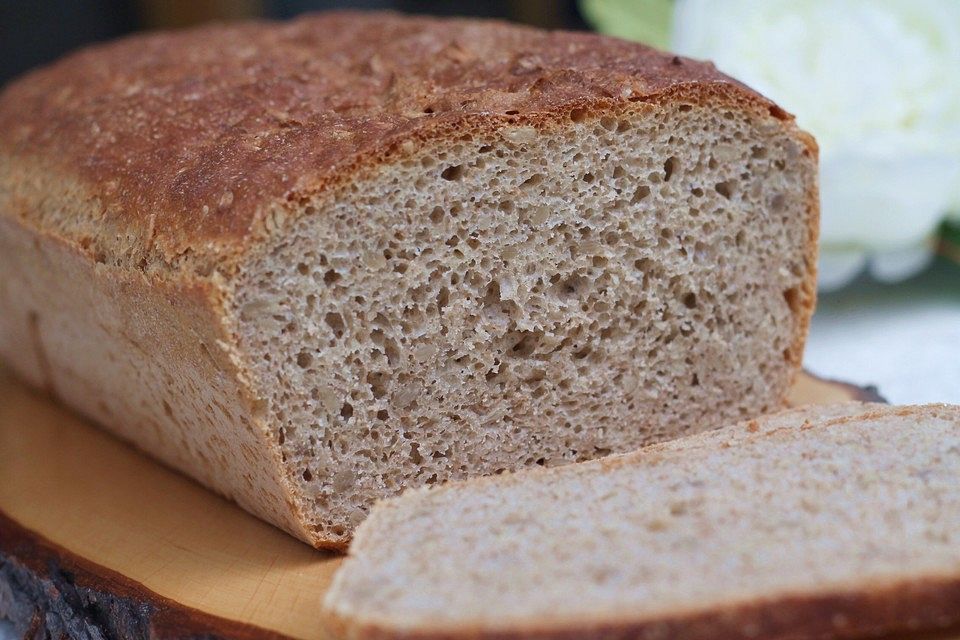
[841,521]
[312,263]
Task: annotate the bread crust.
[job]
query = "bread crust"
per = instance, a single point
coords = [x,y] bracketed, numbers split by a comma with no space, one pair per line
[185,140]
[878,610]
[165,160]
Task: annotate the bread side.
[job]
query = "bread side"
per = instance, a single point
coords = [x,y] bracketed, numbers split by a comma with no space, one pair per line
[416,250]
[142,356]
[807,524]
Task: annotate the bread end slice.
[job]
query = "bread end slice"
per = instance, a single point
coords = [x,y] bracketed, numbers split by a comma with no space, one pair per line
[838,521]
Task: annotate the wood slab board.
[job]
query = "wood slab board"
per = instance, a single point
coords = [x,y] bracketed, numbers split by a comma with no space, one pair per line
[99,541]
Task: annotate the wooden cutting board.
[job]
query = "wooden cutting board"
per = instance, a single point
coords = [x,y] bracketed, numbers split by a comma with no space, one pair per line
[102,539]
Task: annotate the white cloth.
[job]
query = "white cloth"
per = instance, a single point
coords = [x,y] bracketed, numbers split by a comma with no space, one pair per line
[903,338]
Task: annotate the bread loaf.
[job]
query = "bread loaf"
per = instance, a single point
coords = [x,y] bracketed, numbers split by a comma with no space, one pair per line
[312,263]
[833,522]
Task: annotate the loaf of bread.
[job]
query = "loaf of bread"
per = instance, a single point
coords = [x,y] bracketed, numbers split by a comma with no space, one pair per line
[834,522]
[313,263]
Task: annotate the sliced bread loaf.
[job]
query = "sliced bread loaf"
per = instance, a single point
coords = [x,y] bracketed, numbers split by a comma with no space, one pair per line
[312,263]
[838,521]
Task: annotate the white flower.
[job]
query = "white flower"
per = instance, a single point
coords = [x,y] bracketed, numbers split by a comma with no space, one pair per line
[878,83]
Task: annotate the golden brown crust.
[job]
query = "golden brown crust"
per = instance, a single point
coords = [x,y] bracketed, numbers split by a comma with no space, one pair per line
[808,294]
[880,610]
[183,140]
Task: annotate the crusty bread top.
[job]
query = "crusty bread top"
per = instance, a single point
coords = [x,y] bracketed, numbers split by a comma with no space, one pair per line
[181,141]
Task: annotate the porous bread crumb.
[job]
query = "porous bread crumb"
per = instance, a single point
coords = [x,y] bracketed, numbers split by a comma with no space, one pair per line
[531,298]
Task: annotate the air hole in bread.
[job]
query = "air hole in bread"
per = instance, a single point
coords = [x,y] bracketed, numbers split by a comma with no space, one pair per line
[304,360]
[792,296]
[532,181]
[640,193]
[669,167]
[725,188]
[335,322]
[454,172]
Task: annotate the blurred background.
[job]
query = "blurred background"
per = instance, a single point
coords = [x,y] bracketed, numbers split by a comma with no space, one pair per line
[877,82]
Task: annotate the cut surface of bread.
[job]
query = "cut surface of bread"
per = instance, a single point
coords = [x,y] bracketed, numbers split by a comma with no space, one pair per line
[840,520]
[314,263]
[567,293]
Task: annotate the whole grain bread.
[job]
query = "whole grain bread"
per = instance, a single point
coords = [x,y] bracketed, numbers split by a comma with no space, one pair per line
[312,263]
[839,521]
